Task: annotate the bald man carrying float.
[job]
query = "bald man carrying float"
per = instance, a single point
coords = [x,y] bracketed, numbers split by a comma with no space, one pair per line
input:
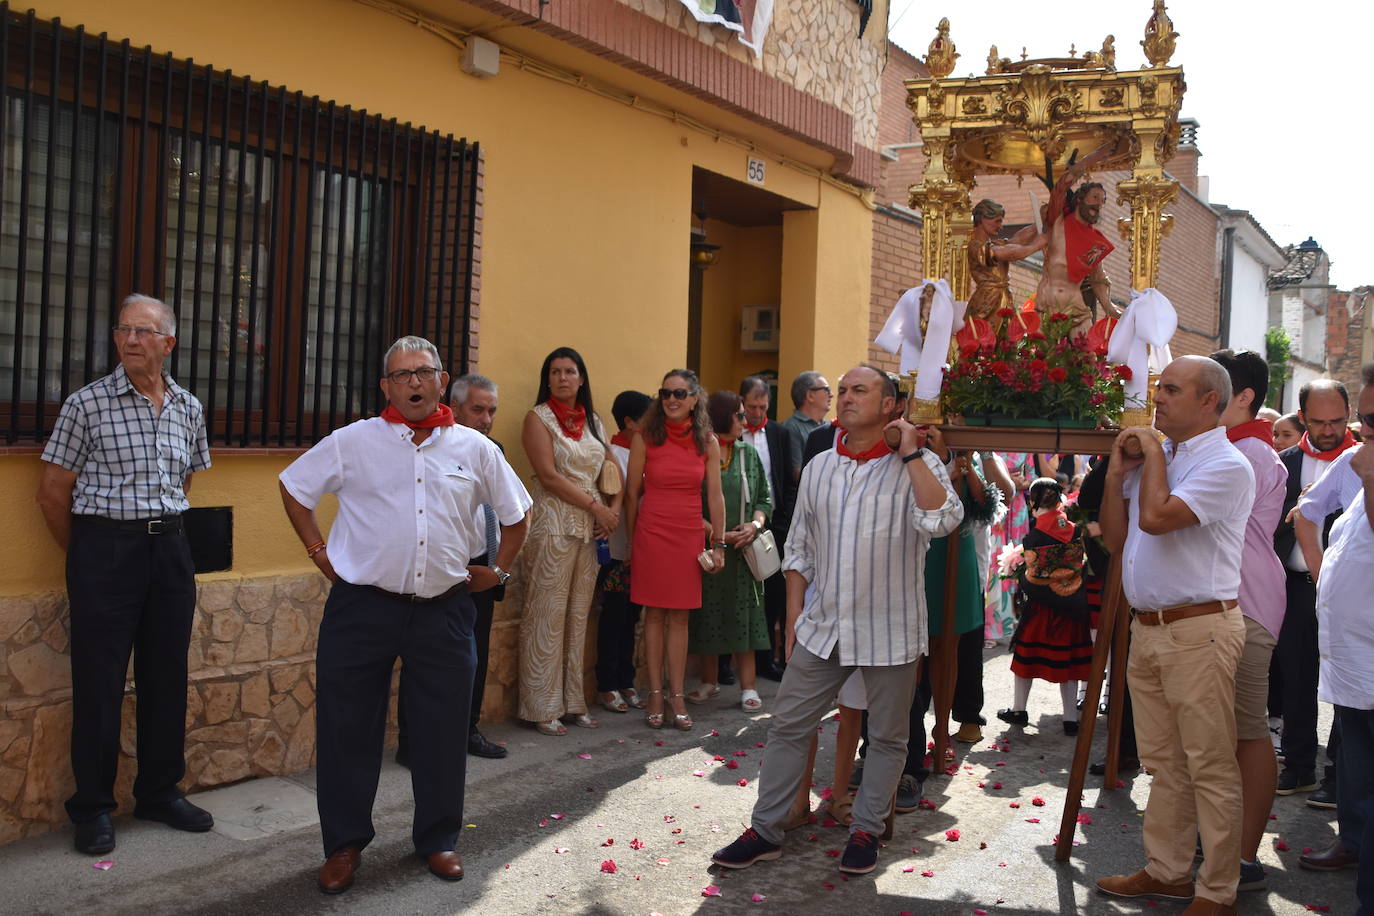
[1177,517]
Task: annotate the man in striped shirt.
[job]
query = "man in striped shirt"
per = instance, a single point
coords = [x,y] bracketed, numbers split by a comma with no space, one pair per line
[863,519]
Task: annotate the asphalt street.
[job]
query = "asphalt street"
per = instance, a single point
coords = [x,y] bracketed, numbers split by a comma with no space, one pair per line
[543,825]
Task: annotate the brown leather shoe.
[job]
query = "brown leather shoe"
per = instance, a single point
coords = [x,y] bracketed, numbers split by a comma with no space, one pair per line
[447,865]
[1141,884]
[1333,858]
[969,733]
[336,875]
[1201,906]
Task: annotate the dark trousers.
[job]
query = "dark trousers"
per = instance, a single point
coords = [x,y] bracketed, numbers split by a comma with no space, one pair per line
[361,636]
[1355,796]
[968,682]
[615,641]
[129,592]
[1298,659]
[775,615]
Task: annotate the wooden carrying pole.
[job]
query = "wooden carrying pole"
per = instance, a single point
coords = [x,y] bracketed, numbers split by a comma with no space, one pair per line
[945,650]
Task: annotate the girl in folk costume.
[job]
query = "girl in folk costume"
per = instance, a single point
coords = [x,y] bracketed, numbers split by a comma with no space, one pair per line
[1052,641]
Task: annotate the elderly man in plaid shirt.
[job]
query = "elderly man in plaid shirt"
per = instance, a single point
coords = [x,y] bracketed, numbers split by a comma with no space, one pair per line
[115,476]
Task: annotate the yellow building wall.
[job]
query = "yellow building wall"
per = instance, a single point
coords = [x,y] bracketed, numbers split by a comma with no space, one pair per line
[747,271]
[585,229]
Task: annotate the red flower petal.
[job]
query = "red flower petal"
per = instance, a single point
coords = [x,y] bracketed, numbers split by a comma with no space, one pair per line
[927,874]
[732,764]
[710,890]
[1032,820]
[997,785]
[757,898]
[1085,819]
[833,853]
[952,836]
[610,841]
[714,733]
[827,885]
[1013,804]
[608,866]
[558,817]
[908,869]
[1318,908]
[1281,846]
[742,782]
[1038,802]
[982,845]
[636,843]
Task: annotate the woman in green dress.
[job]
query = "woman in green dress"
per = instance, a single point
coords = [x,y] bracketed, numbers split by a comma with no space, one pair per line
[731,615]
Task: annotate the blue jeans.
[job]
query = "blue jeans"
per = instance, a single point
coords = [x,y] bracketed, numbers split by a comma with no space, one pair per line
[1355,796]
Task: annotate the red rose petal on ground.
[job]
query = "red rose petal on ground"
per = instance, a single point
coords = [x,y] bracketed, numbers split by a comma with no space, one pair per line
[544,822]
[1032,820]
[732,764]
[1306,850]
[833,853]
[676,831]
[927,874]
[980,913]
[1318,908]
[982,845]
[927,804]
[1001,865]
[1121,784]
[608,866]
[559,850]
[981,784]
[908,869]
[952,836]
[1013,804]
[714,733]
[710,890]
[1085,819]
[1001,763]
[997,785]
[812,837]
[636,843]
[585,756]
[1281,846]
[827,885]
[758,744]
[1038,802]
[610,841]
[662,861]
[757,898]
[658,744]
[668,818]
[742,782]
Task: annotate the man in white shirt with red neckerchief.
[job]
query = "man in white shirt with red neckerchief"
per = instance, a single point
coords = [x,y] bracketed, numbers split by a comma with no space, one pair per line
[1177,517]
[399,564]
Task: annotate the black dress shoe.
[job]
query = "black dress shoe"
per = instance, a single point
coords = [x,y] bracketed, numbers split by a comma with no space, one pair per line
[1125,765]
[479,746]
[771,670]
[725,675]
[403,756]
[1014,716]
[95,837]
[178,813]
[1070,728]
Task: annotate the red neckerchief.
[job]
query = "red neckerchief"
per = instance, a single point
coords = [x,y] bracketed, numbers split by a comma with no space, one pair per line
[679,433]
[750,427]
[1056,524]
[1330,455]
[621,438]
[974,334]
[1100,334]
[442,416]
[1257,428]
[877,450]
[572,420]
[1085,247]
[727,450]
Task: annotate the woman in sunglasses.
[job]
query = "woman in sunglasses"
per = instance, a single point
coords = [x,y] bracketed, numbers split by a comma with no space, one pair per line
[566,445]
[670,459]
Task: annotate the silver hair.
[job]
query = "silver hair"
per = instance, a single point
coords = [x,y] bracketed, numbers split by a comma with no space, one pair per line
[1212,376]
[412,344]
[459,393]
[169,317]
[802,384]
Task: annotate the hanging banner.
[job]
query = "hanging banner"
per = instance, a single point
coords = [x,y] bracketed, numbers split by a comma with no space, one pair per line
[750,19]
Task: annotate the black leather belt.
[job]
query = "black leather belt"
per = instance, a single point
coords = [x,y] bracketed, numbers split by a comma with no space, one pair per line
[419,599]
[165,524]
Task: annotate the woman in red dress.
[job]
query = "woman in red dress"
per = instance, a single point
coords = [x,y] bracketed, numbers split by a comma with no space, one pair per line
[674,451]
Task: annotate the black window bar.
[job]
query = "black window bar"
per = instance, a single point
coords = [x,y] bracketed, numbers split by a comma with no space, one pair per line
[294,238]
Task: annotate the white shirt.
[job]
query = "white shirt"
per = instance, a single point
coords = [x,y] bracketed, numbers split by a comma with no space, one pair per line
[859,537]
[1336,488]
[1345,627]
[1312,470]
[617,542]
[408,538]
[759,441]
[1202,562]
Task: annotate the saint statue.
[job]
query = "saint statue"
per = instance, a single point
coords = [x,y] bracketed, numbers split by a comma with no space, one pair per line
[989,257]
[1076,249]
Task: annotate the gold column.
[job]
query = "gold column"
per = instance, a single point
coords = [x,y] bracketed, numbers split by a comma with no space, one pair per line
[1147,192]
[941,199]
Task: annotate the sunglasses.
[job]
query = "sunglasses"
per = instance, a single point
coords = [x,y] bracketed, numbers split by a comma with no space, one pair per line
[1366,418]
[825,388]
[681,394]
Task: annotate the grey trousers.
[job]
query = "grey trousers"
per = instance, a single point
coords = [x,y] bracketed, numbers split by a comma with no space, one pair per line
[807,693]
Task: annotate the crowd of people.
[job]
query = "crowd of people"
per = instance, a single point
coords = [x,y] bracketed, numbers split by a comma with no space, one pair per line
[1244,541]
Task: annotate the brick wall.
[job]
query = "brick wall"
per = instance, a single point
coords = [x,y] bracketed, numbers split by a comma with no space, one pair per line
[1347,317]
[896,268]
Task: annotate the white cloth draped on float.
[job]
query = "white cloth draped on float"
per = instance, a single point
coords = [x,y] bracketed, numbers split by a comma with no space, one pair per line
[1141,340]
[902,334]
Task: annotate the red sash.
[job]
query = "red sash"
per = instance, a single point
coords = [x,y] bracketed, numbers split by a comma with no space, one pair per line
[1330,455]
[877,450]
[442,416]
[1085,247]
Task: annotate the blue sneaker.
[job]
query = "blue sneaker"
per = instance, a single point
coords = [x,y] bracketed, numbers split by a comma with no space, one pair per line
[745,851]
[1252,877]
[861,855]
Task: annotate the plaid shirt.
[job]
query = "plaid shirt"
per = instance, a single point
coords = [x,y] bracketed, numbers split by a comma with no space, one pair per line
[130,463]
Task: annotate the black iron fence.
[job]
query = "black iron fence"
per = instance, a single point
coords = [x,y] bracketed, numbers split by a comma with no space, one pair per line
[294,238]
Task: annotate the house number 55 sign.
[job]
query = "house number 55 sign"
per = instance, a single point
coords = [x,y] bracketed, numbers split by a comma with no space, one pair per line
[755,172]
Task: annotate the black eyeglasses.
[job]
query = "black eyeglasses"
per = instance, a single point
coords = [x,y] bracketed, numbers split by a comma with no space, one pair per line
[681,394]
[402,376]
[825,388]
[1366,418]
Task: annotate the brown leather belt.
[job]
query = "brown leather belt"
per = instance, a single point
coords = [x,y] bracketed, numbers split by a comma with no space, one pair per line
[1181,612]
[417,599]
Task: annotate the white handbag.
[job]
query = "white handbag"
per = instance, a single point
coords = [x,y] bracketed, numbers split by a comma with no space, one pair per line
[761,554]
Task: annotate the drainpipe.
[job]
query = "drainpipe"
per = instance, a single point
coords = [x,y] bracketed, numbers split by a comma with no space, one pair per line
[1228,245]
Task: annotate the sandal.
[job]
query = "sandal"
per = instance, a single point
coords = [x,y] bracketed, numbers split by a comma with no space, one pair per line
[632,698]
[681,721]
[841,809]
[749,701]
[552,727]
[797,819]
[612,701]
[703,693]
[585,721]
[655,719]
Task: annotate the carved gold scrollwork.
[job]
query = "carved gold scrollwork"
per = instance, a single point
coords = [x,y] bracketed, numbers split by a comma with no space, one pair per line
[1160,37]
[1039,104]
[975,105]
[935,103]
[1112,97]
[1147,196]
[1149,88]
[939,201]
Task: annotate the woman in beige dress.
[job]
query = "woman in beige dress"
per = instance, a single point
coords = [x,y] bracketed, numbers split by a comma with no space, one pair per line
[566,446]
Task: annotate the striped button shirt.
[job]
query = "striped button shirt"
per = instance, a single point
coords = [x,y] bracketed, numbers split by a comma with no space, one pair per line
[130,462]
[858,536]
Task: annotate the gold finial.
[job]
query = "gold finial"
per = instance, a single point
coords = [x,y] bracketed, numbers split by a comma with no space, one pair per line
[1160,37]
[994,65]
[941,55]
[1073,49]
[1024,55]
[1109,54]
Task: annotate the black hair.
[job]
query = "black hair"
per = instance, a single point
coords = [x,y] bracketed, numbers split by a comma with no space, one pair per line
[721,407]
[1044,493]
[584,393]
[1247,369]
[629,405]
[1322,384]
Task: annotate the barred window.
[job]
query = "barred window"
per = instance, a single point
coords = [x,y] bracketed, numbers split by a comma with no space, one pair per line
[294,238]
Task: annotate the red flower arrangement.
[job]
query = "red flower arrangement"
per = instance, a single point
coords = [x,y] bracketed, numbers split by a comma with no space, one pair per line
[1034,369]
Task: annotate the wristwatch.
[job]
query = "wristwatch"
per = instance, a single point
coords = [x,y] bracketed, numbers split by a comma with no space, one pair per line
[907,459]
[502,577]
